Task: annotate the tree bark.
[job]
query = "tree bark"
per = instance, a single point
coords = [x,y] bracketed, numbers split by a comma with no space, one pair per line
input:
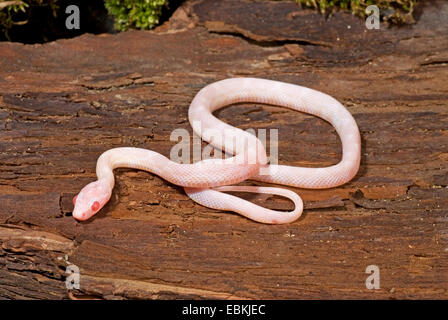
[64,103]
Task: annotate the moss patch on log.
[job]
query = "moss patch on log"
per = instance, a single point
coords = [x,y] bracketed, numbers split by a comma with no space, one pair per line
[395,11]
[139,14]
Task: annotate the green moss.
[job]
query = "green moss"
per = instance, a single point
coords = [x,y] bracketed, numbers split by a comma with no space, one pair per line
[145,14]
[18,12]
[140,14]
[8,13]
[395,11]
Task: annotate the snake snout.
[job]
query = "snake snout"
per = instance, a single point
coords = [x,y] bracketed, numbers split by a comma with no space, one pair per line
[90,200]
[80,213]
[81,217]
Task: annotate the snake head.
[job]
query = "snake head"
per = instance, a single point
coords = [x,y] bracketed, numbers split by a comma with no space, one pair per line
[91,199]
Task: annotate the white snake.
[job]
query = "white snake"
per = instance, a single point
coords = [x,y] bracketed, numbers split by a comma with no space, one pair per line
[206,181]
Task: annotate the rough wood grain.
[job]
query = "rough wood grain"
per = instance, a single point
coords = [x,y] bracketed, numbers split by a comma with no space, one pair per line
[63,103]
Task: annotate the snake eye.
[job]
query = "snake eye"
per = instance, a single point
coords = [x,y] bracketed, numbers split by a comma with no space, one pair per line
[95,206]
[74,199]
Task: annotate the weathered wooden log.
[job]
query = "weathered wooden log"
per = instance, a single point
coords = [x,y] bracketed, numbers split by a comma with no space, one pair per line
[63,103]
